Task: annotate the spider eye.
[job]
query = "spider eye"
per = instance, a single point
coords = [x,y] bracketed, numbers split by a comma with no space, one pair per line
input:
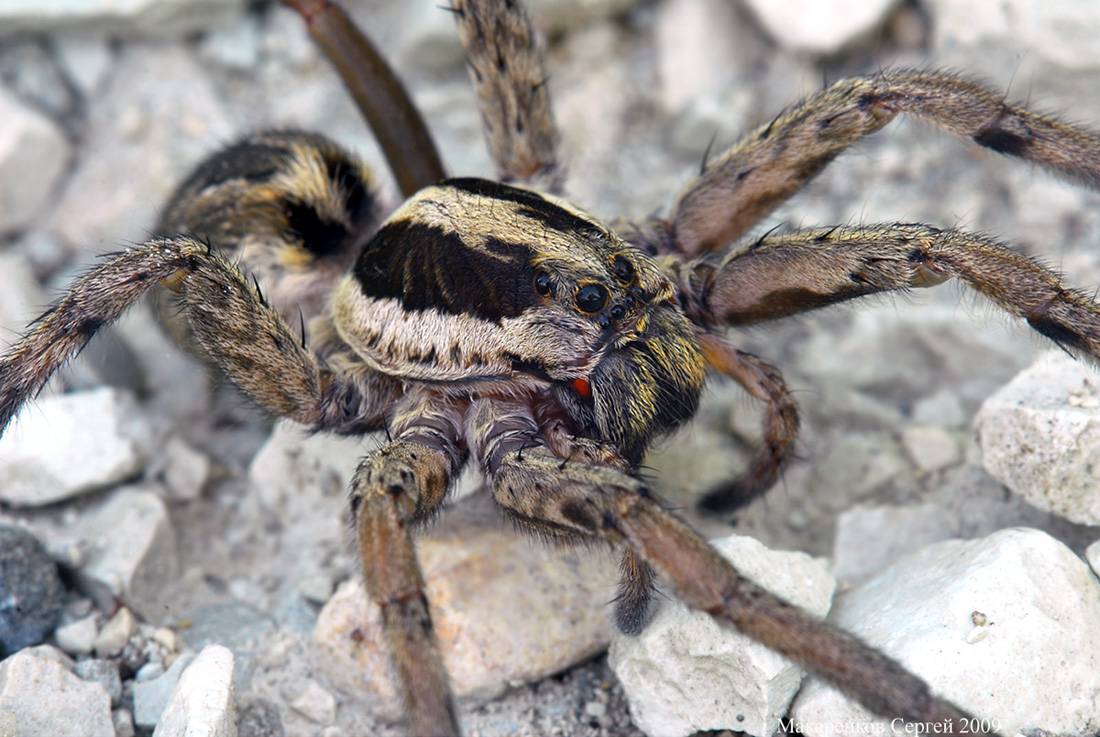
[623,269]
[542,283]
[592,298]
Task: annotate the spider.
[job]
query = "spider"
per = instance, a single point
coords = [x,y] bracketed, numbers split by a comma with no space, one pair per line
[492,322]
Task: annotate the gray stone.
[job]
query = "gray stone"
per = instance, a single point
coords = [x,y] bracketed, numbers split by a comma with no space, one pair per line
[941,408]
[103,672]
[116,633]
[33,155]
[30,591]
[240,627]
[155,118]
[203,703]
[39,696]
[123,721]
[820,26]
[259,718]
[686,673]
[31,71]
[183,470]
[867,538]
[77,638]
[130,17]
[960,613]
[152,697]
[131,552]
[314,703]
[65,445]
[1040,436]
[1066,32]
[931,447]
[236,46]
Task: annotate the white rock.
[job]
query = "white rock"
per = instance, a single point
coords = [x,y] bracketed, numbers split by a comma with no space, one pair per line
[183,470]
[152,695]
[39,696]
[103,672]
[65,445]
[867,538]
[315,703]
[124,723]
[77,638]
[116,633]
[1064,31]
[154,17]
[204,702]
[686,673]
[1007,627]
[931,447]
[1040,436]
[820,26]
[85,60]
[131,552]
[33,155]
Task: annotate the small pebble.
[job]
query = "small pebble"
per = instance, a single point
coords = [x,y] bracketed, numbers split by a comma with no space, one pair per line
[151,697]
[116,633]
[30,590]
[167,639]
[148,672]
[124,723]
[315,704]
[595,709]
[77,638]
[103,672]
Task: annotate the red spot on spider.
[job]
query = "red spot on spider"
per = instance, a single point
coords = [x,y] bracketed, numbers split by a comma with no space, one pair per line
[582,387]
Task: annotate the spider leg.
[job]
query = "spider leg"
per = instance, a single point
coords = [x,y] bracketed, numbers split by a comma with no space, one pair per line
[795,272]
[229,320]
[773,162]
[600,502]
[381,98]
[764,382]
[401,484]
[506,68]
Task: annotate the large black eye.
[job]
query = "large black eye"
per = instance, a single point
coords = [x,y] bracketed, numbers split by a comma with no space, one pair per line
[623,269]
[592,298]
[542,283]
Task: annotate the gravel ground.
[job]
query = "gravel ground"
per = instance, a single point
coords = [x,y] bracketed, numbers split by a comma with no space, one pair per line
[106,111]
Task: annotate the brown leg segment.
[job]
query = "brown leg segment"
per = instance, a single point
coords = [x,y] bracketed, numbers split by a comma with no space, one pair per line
[782,275]
[229,319]
[601,502]
[506,67]
[402,484]
[379,94]
[773,162]
[764,382]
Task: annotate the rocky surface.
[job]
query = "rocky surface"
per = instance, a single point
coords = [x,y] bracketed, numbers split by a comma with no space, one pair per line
[203,703]
[30,591]
[110,104]
[685,673]
[39,696]
[1057,399]
[493,595]
[70,444]
[960,613]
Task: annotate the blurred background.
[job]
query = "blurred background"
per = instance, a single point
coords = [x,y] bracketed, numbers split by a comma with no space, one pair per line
[104,106]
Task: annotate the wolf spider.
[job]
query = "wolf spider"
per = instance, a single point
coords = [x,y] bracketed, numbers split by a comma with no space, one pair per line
[497,324]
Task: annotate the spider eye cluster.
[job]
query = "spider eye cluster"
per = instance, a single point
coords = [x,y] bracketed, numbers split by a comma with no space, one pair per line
[592,297]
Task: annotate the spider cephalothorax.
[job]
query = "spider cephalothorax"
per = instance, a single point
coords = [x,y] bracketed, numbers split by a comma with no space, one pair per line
[498,325]
[474,286]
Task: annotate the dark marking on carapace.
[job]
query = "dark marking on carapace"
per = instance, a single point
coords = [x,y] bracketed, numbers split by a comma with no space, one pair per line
[426,268]
[534,205]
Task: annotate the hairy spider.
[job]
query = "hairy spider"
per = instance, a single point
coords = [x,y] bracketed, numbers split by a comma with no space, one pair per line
[496,324]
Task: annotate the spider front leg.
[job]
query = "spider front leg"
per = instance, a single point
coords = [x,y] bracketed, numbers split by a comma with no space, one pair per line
[230,321]
[505,63]
[581,500]
[767,166]
[782,275]
[399,485]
